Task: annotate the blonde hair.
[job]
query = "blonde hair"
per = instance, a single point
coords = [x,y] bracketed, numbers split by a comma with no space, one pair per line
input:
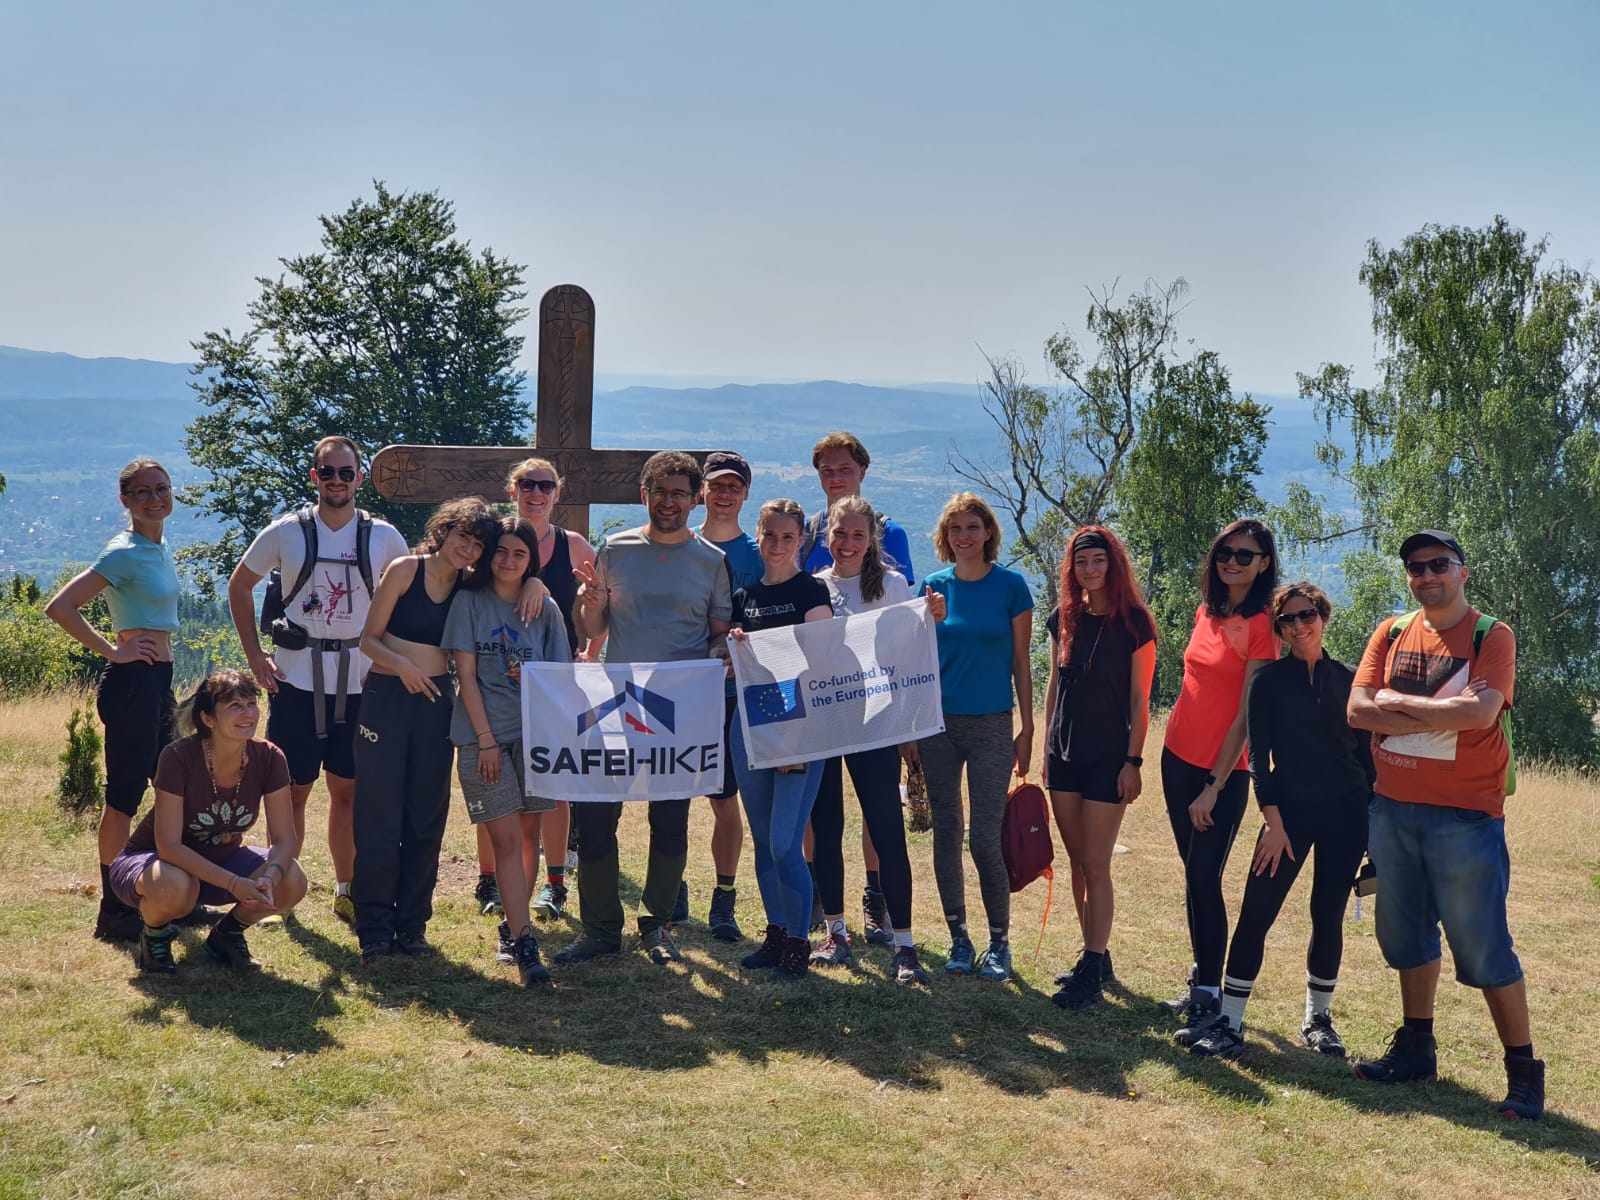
[967,502]
[873,568]
[781,508]
[534,464]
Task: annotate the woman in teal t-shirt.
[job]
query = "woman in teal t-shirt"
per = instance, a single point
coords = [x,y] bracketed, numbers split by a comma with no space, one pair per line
[134,696]
[984,644]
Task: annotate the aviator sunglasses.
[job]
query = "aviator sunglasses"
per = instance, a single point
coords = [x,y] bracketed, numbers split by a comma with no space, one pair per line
[1304,616]
[345,474]
[547,486]
[1416,568]
[1243,557]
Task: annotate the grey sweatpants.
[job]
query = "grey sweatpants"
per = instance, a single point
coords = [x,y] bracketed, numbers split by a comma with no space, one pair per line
[983,745]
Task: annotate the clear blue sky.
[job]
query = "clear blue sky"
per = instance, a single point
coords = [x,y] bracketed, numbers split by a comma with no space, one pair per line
[857,191]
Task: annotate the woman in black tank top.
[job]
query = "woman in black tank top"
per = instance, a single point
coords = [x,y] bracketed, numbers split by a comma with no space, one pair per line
[402,745]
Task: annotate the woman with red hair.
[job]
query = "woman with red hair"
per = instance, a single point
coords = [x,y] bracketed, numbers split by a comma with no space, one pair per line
[1097,712]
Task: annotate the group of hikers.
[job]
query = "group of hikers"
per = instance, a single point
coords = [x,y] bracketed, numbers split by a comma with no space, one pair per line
[389,665]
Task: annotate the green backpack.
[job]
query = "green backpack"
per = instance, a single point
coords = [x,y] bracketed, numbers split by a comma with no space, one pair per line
[1479,630]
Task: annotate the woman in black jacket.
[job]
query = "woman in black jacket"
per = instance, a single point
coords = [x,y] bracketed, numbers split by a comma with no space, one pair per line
[1313,779]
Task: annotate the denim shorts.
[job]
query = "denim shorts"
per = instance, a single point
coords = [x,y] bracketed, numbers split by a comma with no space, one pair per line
[491,801]
[1443,865]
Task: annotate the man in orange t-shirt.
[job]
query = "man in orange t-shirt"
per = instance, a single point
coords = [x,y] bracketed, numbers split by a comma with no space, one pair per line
[1437,832]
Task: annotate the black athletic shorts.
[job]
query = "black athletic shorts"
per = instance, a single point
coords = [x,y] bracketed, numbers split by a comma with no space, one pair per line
[1094,779]
[292,727]
[730,785]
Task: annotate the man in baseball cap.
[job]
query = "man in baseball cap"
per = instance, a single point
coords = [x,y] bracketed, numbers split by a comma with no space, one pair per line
[727,487]
[1432,687]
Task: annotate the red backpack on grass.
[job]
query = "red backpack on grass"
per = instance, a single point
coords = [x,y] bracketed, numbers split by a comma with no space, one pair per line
[1028,844]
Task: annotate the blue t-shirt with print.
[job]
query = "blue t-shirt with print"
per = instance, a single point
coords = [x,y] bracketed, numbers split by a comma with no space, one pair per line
[745,567]
[975,638]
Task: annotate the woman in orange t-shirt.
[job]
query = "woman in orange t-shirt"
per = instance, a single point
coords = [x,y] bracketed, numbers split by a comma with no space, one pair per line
[1204,774]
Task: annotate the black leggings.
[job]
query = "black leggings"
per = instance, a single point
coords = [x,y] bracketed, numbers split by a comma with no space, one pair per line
[136,705]
[1205,856]
[1338,830]
[403,760]
[876,775]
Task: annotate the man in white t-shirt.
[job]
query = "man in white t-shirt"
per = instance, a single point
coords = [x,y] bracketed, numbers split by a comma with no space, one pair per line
[328,611]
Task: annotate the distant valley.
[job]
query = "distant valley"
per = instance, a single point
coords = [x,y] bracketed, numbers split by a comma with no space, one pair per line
[67,424]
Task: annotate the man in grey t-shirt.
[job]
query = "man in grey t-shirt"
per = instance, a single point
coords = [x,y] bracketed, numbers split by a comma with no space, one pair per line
[658,593]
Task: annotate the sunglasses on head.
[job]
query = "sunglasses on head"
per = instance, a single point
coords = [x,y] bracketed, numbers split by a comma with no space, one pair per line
[547,486]
[345,474]
[1304,616]
[1417,567]
[1243,557]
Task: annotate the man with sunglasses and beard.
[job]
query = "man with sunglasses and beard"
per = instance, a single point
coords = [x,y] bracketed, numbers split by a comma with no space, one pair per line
[1431,688]
[314,675]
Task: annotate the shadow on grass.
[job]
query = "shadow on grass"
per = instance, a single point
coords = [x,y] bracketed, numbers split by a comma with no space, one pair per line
[1287,1064]
[622,1011]
[261,1007]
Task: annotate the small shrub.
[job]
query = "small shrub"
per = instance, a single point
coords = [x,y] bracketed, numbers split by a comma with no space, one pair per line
[81,791]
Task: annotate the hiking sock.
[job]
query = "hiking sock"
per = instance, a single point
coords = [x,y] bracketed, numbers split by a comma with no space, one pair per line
[341,889]
[872,882]
[1419,1025]
[836,928]
[1520,1051]
[1319,995]
[556,876]
[725,882]
[1210,991]
[1235,995]
[902,939]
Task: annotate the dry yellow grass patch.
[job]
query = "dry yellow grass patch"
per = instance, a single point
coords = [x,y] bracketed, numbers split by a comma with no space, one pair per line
[624,1080]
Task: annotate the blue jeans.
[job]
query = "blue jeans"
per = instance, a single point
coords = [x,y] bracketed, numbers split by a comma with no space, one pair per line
[778,805]
[1438,864]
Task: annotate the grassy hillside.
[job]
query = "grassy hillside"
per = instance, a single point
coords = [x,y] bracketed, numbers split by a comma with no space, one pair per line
[627,1080]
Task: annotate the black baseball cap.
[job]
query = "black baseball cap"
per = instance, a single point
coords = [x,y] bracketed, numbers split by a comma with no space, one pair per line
[723,462]
[1431,537]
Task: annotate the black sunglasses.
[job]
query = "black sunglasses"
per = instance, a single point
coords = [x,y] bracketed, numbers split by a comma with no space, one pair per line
[1243,557]
[1418,567]
[547,486]
[345,474]
[1305,617]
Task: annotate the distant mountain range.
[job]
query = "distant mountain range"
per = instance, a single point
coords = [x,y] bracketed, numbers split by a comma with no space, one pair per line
[68,423]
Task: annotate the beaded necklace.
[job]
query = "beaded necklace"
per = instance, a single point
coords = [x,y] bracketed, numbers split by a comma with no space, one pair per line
[216,796]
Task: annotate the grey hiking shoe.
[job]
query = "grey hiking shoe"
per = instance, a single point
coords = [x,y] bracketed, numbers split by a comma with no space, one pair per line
[875,918]
[585,949]
[1219,1040]
[1204,1010]
[1319,1034]
[834,951]
[507,951]
[907,969]
[658,944]
[155,950]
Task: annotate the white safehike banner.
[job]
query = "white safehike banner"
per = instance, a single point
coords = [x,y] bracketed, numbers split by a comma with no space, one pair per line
[834,687]
[623,731]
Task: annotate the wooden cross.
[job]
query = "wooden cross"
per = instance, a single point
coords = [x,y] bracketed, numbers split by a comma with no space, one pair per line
[563,433]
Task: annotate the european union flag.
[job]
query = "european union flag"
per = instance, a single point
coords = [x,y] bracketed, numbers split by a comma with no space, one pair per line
[769,703]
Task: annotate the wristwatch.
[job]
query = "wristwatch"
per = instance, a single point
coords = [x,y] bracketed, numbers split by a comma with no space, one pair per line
[1211,779]
[1133,760]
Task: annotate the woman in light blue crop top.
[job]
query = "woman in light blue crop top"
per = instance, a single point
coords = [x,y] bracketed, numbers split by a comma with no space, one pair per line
[134,694]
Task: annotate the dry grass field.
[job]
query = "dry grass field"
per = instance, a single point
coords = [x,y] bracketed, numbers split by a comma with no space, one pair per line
[320,1078]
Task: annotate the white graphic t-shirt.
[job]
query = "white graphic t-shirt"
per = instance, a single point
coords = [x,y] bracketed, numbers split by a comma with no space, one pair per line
[334,602]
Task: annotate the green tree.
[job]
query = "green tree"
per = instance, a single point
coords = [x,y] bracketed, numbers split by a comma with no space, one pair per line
[1063,448]
[1191,471]
[1484,422]
[396,331]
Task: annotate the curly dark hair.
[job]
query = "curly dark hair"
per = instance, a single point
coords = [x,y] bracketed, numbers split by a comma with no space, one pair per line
[671,462]
[468,514]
